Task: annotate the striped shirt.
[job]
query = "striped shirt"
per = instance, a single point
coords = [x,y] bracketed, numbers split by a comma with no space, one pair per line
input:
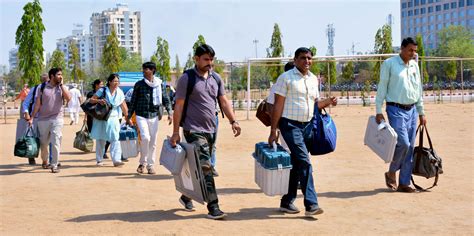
[300,92]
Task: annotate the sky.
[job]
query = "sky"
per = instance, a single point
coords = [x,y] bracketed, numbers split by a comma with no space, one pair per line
[230,27]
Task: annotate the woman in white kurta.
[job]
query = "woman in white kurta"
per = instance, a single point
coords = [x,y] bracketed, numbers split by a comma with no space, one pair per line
[108,130]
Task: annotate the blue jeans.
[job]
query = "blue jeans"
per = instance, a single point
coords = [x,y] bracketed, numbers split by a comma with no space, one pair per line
[404,123]
[292,132]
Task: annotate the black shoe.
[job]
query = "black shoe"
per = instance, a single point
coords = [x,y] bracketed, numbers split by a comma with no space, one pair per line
[314,210]
[31,161]
[290,208]
[59,164]
[105,156]
[124,159]
[215,213]
[187,203]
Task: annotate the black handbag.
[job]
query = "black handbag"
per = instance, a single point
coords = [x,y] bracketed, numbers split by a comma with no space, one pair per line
[426,162]
[28,145]
[83,141]
[97,110]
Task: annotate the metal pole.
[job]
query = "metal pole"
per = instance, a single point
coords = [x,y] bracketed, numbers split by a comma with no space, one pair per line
[329,84]
[248,91]
[462,83]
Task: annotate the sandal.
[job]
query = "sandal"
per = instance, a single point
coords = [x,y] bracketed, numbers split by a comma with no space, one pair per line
[391,184]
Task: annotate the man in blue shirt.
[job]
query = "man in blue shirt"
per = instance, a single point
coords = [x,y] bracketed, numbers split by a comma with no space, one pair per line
[400,86]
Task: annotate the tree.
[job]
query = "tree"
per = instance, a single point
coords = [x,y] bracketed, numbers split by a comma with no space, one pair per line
[177,67]
[348,72]
[275,50]
[29,38]
[383,45]
[330,75]
[162,55]
[131,62]
[74,61]
[451,72]
[57,60]
[111,60]
[315,67]
[200,41]
[421,60]
[189,63]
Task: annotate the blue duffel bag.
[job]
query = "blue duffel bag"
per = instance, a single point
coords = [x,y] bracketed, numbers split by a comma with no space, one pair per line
[320,134]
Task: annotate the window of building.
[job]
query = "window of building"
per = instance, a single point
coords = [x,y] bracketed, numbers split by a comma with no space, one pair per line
[409,31]
[454,5]
[454,15]
[410,4]
[430,1]
[404,5]
[416,12]
[417,2]
[447,24]
[432,27]
[447,16]
[440,17]
[423,2]
[439,26]
[430,9]
[423,29]
[470,2]
[461,14]
[470,12]
[422,10]
[461,3]
[462,23]
[438,8]
[446,6]
[471,22]
[411,22]
[410,12]
[455,23]
[424,20]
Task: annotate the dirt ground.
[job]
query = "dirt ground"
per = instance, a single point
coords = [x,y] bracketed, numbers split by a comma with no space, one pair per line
[85,199]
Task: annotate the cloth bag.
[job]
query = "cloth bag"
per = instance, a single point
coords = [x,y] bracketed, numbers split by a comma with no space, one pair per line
[320,134]
[426,162]
[97,110]
[264,113]
[83,141]
[27,145]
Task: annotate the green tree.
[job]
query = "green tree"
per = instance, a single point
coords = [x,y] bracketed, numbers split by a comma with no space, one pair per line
[74,62]
[455,41]
[451,72]
[189,63]
[162,55]
[111,60]
[57,60]
[315,67]
[200,41]
[275,50]
[219,66]
[421,56]
[177,67]
[383,45]
[29,38]
[348,72]
[131,61]
[330,75]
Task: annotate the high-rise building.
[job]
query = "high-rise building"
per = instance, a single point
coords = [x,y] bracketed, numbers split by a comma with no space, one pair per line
[84,43]
[13,58]
[428,17]
[127,26]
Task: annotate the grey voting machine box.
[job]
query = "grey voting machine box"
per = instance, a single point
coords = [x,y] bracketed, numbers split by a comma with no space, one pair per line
[382,141]
[190,181]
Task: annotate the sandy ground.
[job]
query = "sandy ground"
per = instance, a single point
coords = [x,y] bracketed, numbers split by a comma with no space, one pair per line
[85,199]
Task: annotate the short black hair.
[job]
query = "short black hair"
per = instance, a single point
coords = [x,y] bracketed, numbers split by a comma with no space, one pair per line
[288,66]
[95,83]
[302,50]
[407,41]
[204,49]
[53,71]
[149,65]
[112,77]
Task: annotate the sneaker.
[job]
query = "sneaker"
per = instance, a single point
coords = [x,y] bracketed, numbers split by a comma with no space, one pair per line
[72,122]
[215,213]
[188,204]
[290,208]
[314,210]
[140,169]
[59,164]
[151,171]
[124,159]
[105,156]
[214,172]
[99,164]
[54,169]
[119,164]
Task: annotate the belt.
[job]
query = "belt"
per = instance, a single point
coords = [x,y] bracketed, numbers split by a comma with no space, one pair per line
[402,106]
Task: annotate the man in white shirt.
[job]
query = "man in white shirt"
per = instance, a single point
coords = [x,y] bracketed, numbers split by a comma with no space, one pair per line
[74,104]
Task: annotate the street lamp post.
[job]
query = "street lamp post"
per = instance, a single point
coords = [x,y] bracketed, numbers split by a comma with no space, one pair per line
[255,41]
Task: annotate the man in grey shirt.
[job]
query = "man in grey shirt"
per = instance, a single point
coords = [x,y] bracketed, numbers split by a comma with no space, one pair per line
[49,104]
[195,110]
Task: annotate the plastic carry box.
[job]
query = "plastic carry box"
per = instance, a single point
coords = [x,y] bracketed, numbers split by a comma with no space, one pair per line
[272,169]
[381,139]
[172,158]
[190,181]
[128,138]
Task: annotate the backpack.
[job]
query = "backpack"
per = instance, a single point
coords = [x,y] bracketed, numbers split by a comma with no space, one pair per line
[32,101]
[189,89]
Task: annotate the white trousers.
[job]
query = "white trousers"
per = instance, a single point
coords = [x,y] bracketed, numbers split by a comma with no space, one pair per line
[148,131]
[74,117]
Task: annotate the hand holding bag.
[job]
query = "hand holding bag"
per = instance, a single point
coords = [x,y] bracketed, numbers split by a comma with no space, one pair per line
[28,145]
[83,141]
[97,110]
[426,162]
[320,134]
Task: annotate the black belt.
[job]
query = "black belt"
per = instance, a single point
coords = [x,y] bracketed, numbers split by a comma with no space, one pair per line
[402,106]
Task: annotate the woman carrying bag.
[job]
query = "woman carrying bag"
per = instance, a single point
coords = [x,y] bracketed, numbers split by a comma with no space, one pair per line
[108,130]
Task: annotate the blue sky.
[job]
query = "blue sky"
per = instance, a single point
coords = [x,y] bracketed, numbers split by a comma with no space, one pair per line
[228,26]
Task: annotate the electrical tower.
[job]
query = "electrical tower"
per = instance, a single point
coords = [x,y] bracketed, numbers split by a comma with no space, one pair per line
[330,33]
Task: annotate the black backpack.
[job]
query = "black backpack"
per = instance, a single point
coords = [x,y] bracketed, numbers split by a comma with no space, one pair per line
[191,73]
[32,101]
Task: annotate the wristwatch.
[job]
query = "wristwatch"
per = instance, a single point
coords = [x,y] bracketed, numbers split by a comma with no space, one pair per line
[234,121]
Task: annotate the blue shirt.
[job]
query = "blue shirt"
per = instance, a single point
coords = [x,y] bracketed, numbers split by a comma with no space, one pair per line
[399,83]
